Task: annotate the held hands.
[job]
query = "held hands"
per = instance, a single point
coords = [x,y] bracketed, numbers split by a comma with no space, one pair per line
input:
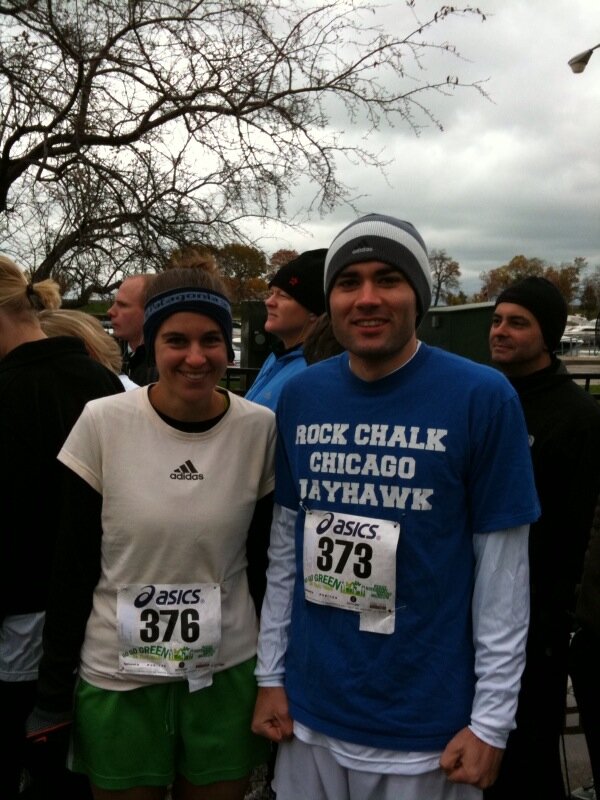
[271,718]
[468,759]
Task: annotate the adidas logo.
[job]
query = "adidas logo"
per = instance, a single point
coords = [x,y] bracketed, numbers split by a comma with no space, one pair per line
[186,472]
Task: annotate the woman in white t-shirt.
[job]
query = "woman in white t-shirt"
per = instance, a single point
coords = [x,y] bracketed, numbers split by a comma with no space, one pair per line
[166,525]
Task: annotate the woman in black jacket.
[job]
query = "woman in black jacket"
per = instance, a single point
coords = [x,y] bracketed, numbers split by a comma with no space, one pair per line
[44,385]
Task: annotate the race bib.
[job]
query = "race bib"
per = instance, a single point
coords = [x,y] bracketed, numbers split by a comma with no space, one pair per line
[169,629]
[350,561]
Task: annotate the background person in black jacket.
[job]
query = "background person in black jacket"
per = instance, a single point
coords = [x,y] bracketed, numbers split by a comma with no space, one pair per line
[44,384]
[564,432]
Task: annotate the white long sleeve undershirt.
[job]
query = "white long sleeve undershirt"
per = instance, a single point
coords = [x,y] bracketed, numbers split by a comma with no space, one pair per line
[500,610]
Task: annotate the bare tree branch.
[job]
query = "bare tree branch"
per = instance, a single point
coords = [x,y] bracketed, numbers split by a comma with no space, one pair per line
[128,127]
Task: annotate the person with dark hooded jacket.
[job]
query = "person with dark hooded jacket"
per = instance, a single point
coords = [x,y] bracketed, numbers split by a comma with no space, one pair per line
[563,423]
[44,385]
[584,655]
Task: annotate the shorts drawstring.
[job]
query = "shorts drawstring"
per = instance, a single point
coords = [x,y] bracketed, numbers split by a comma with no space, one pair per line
[170,710]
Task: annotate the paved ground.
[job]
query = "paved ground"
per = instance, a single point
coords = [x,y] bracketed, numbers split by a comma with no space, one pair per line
[576,764]
[576,767]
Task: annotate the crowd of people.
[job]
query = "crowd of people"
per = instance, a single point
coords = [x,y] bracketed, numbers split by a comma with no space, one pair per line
[374,572]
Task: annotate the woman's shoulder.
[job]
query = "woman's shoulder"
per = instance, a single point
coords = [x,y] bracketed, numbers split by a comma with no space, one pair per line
[117,403]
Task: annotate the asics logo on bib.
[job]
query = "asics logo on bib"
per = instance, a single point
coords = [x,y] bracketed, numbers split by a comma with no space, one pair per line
[171,597]
[342,526]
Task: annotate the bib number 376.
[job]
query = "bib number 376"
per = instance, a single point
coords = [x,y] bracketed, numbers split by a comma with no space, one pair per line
[167,629]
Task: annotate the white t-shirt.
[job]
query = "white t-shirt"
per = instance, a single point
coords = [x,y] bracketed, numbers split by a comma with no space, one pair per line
[176,510]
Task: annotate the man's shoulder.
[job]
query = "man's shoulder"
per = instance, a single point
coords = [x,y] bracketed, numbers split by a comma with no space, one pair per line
[564,393]
[452,367]
[115,403]
[316,373]
[139,367]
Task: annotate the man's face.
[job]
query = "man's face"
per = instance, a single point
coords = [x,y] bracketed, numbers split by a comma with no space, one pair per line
[516,342]
[127,312]
[373,315]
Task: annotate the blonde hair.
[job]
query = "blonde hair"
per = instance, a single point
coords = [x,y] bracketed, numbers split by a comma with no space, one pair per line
[18,295]
[99,344]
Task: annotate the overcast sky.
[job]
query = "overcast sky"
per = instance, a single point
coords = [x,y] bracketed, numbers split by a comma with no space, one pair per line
[518,174]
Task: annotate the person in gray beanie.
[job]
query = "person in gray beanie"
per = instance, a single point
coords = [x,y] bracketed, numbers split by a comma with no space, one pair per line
[393,630]
[376,237]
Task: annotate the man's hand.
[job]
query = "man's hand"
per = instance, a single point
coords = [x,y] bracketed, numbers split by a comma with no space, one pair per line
[271,718]
[467,759]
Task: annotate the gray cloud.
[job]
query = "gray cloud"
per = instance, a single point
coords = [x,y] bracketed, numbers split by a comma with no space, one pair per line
[519,173]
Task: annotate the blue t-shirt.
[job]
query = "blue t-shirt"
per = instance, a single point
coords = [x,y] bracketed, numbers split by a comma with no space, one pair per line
[440,447]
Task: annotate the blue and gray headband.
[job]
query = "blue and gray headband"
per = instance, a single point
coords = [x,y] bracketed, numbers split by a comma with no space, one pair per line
[187,298]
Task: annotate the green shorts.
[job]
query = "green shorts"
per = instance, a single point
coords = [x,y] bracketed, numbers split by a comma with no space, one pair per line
[148,736]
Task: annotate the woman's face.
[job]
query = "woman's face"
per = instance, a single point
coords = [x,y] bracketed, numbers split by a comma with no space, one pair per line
[191,358]
[286,318]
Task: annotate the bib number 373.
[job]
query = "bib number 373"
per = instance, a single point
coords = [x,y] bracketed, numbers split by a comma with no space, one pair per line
[350,561]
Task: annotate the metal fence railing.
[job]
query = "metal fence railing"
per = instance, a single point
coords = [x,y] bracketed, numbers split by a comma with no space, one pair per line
[588,381]
[239,379]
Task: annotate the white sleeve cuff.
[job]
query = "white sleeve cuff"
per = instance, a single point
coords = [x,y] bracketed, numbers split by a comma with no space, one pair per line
[276,613]
[500,612]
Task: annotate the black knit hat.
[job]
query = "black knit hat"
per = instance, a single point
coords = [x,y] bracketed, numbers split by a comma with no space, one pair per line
[545,302]
[378,237]
[302,279]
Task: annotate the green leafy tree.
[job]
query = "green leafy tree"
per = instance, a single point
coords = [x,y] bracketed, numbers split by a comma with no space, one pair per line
[565,277]
[500,278]
[590,293]
[244,269]
[458,299]
[279,258]
[589,300]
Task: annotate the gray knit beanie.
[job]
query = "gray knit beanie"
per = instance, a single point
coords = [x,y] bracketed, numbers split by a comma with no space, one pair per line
[377,237]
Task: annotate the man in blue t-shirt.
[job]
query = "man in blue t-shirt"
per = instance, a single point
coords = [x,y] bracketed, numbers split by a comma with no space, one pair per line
[393,630]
